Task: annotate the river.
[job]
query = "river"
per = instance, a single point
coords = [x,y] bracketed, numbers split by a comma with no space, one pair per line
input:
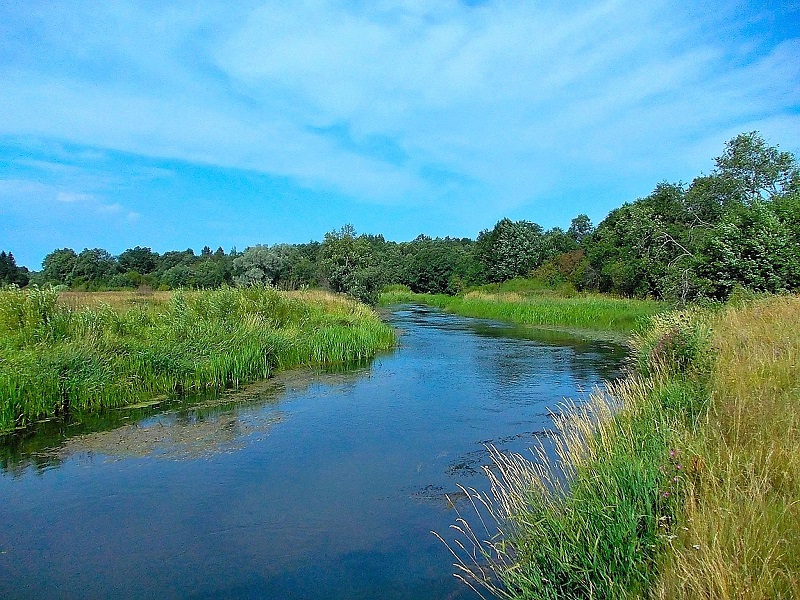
[323,486]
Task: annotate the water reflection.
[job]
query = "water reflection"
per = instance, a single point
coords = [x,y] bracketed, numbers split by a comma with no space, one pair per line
[173,428]
[309,486]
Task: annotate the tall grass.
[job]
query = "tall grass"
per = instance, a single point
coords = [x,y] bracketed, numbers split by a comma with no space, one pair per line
[682,481]
[741,521]
[592,518]
[59,357]
[580,311]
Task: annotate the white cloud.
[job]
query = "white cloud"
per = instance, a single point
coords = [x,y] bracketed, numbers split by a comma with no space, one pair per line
[510,97]
[30,196]
[73,197]
[109,209]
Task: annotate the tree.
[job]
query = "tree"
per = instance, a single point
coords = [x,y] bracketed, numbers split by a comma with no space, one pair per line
[557,241]
[58,266]
[757,171]
[141,260]
[511,249]
[346,265]
[94,266]
[174,258]
[436,266]
[10,273]
[261,265]
[207,274]
[177,276]
[580,227]
[751,247]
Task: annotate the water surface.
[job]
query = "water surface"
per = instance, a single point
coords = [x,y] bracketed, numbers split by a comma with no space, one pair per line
[321,486]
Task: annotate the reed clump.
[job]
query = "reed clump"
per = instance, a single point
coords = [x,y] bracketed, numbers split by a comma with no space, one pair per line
[681,481]
[60,356]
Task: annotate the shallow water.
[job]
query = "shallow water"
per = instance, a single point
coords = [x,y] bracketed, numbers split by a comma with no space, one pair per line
[319,486]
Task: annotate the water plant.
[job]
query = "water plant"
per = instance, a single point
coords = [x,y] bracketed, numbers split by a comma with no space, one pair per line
[58,357]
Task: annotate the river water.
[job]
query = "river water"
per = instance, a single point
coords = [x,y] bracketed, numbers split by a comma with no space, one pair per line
[321,486]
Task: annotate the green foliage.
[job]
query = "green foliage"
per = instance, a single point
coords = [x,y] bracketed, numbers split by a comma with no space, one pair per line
[138,259]
[58,266]
[673,343]
[753,247]
[740,224]
[571,268]
[347,265]
[580,227]
[737,225]
[10,273]
[756,171]
[436,266]
[261,265]
[57,360]
[511,249]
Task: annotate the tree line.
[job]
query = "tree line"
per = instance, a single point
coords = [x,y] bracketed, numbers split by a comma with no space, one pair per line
[737,226]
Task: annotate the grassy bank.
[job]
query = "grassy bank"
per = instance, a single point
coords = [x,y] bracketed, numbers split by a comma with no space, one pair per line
[682,482]
[515,303]
[73,353]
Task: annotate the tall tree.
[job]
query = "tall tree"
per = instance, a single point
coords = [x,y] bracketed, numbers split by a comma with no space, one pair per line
[756,170]
[347,265]
[580,227]
[10,273]
[58,267]
[94,266]
[511,249]
[261,265]
[139,259]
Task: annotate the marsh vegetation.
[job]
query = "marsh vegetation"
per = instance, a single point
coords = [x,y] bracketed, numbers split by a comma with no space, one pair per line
[76,353]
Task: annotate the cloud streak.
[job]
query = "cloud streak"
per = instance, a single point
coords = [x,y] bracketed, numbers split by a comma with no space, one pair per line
[406,103]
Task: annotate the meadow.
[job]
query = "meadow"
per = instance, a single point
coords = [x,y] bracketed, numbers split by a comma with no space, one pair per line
[70,353]
[680,481]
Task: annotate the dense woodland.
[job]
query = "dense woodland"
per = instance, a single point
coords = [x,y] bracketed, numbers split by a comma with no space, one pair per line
[737,226]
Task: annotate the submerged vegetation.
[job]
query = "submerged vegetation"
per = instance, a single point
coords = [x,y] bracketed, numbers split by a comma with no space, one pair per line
[680,482]
[59,356]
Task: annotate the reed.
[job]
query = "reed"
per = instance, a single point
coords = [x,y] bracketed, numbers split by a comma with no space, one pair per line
[71,355]
[681,481]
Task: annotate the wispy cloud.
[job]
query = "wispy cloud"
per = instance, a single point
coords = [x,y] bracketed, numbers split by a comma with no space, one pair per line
[498,104]
[73,197]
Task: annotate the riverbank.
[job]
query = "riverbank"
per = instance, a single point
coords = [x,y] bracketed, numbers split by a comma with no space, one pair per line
[83,353]
[682,480]
[590,312]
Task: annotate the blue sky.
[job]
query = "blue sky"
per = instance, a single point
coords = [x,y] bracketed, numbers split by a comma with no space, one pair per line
[181,124]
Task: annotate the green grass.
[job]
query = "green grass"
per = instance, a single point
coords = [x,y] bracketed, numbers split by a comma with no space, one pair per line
[57,358]
[681,481]
[525,302]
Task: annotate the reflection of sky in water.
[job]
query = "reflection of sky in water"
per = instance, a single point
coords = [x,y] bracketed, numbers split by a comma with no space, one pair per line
[323,487]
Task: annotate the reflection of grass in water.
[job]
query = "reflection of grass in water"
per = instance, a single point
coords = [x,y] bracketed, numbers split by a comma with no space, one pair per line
[63,357]
[173,438]
[683,483]
[47,443]
[581,312]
